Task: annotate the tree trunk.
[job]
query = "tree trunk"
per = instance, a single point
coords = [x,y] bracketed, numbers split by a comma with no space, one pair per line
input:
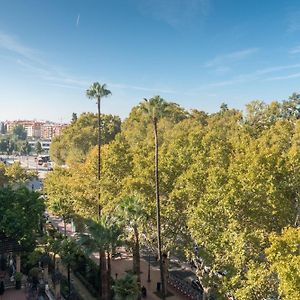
[65,228]
[99,154]
[136,257]
[163,290]
[103,276]
[69,281]
[108,275]
[100,276]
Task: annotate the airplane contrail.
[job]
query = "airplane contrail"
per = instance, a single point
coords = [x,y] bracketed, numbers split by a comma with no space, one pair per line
[77,21]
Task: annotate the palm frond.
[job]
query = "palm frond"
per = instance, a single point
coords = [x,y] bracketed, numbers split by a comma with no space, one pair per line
[97,91]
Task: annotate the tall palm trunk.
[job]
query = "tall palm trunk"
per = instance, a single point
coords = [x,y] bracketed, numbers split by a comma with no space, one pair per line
[108,275]
[136,255]
[100,276]
[103,276]
[158,211]
[69,280]
[99,153]
[103,269]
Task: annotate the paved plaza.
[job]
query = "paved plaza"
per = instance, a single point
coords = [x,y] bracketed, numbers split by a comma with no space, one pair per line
[13,294]
[121,265]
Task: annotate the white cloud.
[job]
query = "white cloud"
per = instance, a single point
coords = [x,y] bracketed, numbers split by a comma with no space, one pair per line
[232,57]
[293,21]
[285,77]
[139,88]
[174,12]
[10,43]
[29,59]
[295,50]
[77,20]
[276,69]
[256,75]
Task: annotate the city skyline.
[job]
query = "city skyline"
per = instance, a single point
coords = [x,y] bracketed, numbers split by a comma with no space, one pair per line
[197,53]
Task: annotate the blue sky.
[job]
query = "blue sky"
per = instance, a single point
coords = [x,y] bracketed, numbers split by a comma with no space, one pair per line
[198,53]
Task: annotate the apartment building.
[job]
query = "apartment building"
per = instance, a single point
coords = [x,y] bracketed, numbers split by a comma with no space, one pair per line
[37,129]
[33,128]
[50,130]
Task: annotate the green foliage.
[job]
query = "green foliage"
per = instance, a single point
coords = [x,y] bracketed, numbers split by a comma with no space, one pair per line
[74,118]
[13,175]
[284,256]
[20,211]
[20,132]
[103,235]
[3,128]
[69,251]
[4,144]
[126,288]
[38,148]
[80,137]
[97,91]
[18,276]
[229,184]
[59,196]
[11,143]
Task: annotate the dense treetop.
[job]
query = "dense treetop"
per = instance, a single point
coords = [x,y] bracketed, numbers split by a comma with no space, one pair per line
[78,138]
[229,185]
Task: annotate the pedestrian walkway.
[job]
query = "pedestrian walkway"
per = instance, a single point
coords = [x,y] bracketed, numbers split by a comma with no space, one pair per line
[13,294]
[120,266]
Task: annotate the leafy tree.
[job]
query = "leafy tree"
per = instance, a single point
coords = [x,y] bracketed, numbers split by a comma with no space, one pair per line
[126,288]
[4,145]
[17,176]
[20,132]
[77,139]
[228,183]
[25,148]
[3,129]
[38,148]
[74,118]
[59,194]
[3,176]
[284,256]
[21,211]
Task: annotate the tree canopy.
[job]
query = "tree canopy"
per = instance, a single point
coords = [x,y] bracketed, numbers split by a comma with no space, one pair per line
[77,139]
[229,188]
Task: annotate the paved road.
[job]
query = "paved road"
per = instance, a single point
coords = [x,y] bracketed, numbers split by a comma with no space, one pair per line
[30,163]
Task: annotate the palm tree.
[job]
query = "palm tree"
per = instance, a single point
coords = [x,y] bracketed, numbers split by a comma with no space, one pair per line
[102,236]
[68,251]
[98,91]
[154,108]
[114,232]
[126,288]
[133,216]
